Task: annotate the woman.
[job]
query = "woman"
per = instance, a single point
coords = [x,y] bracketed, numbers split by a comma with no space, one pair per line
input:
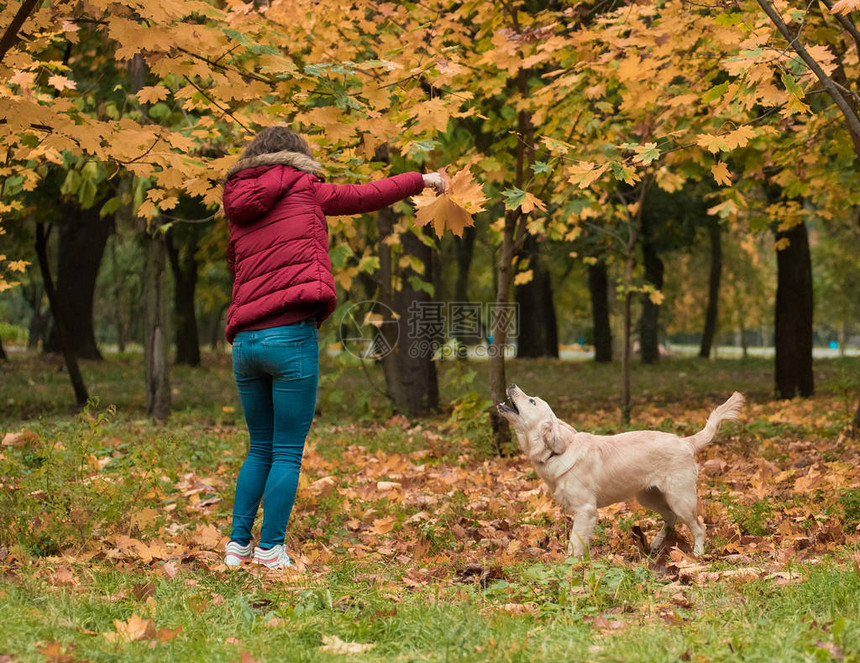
[282,291]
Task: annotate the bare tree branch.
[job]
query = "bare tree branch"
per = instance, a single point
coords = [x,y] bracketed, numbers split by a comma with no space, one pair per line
[10,37]
[226,111]
[846,22]
[851,118]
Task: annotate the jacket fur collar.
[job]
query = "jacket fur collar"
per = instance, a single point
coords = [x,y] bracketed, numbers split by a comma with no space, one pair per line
[296,160]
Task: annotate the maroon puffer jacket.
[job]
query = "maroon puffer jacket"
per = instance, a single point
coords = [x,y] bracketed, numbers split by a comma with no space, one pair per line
[278,249]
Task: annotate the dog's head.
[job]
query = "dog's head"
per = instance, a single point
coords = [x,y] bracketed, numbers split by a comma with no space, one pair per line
[537,427]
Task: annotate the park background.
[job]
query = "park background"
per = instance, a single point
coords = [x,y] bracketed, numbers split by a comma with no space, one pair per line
[664,192]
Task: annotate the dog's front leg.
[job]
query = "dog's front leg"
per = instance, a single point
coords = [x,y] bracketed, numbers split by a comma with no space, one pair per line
[584,520]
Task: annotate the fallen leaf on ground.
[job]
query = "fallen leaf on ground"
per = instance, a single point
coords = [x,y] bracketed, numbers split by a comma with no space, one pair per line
[207,537]
[135,628]
[519,609]
[170,569]
[334,645]
[322,486]
[383,525]
[831,649]
[64,576]
[55,651]
[245,657]
[167,634]
[11,439]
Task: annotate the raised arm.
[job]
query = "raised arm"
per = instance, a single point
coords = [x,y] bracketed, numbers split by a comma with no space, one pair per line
[337,199]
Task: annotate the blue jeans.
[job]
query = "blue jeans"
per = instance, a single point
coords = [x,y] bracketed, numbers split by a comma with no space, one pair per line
[276,372]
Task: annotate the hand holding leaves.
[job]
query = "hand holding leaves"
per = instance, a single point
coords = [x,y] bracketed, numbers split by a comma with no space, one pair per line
[454,203]
[435,181]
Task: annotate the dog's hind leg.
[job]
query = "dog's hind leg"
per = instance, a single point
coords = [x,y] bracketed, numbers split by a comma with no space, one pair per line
[683,503]
[584,520]
[652,498]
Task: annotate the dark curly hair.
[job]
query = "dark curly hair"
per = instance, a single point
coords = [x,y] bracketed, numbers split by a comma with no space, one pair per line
[277,138]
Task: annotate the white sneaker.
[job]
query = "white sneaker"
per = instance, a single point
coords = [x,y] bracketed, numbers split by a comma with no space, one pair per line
[273,558]
[234,554]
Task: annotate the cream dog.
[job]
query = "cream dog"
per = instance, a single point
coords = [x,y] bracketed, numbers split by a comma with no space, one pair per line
[585,471]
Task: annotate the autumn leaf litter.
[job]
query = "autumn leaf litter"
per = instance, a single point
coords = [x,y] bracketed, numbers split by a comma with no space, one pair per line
[440,514]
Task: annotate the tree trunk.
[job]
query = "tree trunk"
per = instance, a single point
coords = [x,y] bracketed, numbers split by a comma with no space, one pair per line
[83,237]
[742,325]
[537,334]
[649,327]
[498,333]
[183,265]
[713,290]
[465,246]
[625,348]
[794,311]
[634,233]
[390,329]
[856,423]
[156,335]
[598,287]
[40,319]
[3,356]
[215,333]
[119,321]
[419,336]
[842,338]
[500,322]
[69,355]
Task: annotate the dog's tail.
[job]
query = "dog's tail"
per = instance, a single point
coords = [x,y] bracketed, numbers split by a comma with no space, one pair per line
[728,410]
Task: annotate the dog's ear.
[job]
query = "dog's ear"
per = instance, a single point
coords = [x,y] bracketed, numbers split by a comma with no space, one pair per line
[551,436]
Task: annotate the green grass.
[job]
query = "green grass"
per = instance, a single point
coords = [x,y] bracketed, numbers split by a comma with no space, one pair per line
[589,611]
[780,582]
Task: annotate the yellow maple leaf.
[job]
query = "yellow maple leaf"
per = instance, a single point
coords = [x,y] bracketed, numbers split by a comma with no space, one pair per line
[739,137]
[557,146]
[23,78]
[430,115]
[630,68]
[453,209]
[724,209]
[61,82]
[524,277]
[656,297]
[168,203]
[721,173]
[152,93]
[713,143]
[530,202]
[18,266]
[444,212]
[584,173]
[336,127]
[845,6]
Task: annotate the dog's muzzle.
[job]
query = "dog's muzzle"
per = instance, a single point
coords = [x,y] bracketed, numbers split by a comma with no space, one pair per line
[504,407]
[508,407]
